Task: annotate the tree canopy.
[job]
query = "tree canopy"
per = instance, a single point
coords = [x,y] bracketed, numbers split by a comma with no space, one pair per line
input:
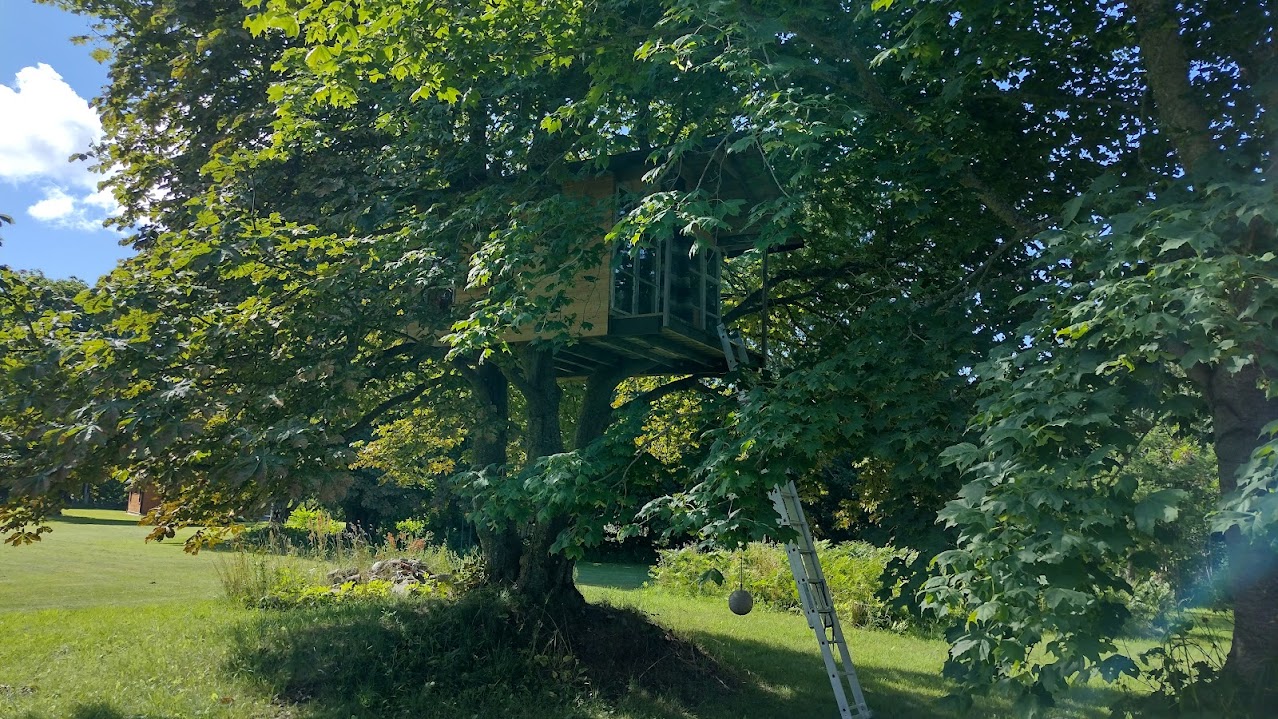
[1030,233]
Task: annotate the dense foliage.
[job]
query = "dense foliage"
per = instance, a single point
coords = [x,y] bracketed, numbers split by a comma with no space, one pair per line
[1031,233]
[853,570]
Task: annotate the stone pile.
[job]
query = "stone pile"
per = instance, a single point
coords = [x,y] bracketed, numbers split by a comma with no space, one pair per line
[404,574]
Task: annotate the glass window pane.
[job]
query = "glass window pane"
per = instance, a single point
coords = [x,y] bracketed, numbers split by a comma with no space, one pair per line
[647,265]
[624,294]
[647,298]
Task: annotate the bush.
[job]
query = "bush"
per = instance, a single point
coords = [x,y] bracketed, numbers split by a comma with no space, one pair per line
[313,519]
[283,567]
[415,527]
[1152,601]
[853,570]
[251,578]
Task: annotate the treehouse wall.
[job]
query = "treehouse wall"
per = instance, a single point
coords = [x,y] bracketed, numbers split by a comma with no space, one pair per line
[590,291]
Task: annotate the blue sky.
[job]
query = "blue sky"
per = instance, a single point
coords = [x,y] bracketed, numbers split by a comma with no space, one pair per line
[46,82]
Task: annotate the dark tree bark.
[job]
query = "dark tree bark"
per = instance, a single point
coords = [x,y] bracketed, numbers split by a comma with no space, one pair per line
[544,576]
[1180,113]
[596,406]
[488,441]
[1240,410]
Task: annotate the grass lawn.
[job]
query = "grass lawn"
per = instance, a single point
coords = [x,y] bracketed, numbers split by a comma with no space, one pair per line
[97,557]
[96,624]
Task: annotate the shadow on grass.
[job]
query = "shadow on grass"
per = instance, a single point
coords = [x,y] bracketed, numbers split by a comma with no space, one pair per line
[96,710]
[785,683]
[484,655]
[108,521]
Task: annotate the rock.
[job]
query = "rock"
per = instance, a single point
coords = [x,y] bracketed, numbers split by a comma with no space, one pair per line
[405,587]
[343,575]
[395,570]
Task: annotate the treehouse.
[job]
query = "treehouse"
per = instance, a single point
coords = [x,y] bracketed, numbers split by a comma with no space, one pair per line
[660,307]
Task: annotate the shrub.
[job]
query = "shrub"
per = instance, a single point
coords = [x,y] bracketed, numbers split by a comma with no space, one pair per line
[853,570]
[415,527]
[280,582]
[313,519]
[1152,600]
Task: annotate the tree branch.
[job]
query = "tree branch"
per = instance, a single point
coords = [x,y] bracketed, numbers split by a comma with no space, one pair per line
[363,423]
[1167,69]
[669,388]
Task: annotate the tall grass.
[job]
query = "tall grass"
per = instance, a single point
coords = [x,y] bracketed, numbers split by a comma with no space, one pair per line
[269,561]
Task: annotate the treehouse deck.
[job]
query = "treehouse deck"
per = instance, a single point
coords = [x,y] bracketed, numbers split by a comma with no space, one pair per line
[665,344]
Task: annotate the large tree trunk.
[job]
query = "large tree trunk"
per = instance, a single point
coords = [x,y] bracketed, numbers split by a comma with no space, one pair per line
[1239,407]
[1240,411]
[544,576]
[500,544]
[595,414]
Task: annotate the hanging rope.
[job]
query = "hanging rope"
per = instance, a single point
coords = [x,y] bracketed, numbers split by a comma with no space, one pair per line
[766,292]
[740,601]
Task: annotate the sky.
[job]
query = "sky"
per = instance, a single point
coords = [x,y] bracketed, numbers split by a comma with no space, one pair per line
[46,83]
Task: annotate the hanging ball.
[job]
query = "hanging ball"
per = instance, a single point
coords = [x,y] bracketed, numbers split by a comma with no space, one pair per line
[740,602]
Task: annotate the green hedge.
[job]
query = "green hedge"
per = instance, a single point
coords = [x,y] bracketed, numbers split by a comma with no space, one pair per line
[854,571]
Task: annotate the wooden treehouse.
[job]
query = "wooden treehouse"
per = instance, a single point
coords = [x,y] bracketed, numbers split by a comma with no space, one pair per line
[659,308]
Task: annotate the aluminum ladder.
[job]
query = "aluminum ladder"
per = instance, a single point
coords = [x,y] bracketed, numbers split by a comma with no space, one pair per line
[818,607]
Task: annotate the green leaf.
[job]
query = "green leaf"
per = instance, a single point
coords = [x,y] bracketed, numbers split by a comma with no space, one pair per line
[1160,506]
[1113,667]
[320,59]
[1055,596]
[711,575]
[286,23]
[1071,210]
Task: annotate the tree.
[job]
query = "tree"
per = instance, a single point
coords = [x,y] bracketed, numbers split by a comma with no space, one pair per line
[289,288]
[1155,301]
[1058,212]
[36,315]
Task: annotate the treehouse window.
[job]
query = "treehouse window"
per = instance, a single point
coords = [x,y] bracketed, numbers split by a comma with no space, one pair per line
[672,280]
[637,278]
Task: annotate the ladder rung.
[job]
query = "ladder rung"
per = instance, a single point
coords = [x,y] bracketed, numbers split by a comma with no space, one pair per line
[818,604]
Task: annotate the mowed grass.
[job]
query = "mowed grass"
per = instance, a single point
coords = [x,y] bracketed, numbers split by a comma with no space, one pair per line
[98,558]
[97,624]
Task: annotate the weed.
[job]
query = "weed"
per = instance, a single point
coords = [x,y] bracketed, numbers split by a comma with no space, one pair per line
[1183,677]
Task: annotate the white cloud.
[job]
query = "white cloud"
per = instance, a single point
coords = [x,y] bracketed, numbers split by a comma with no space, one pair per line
[83,212]
[56,205]
[103,200]
[42,123]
